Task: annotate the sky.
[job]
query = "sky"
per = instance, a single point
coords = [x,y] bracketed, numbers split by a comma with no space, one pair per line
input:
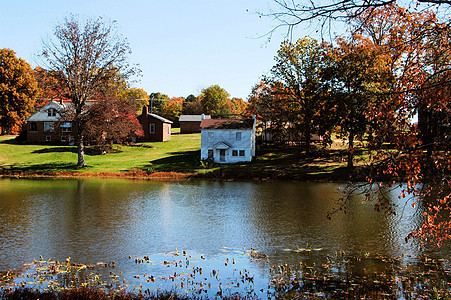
[181,46]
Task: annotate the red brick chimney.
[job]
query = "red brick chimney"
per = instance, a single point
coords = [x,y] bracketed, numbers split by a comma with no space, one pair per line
[145,110]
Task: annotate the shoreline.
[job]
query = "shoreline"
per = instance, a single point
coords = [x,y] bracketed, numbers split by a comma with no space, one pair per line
[217,175]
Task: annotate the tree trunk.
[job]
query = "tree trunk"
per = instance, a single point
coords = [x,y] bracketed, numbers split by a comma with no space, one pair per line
[81,151]
[307,141]
[351,150]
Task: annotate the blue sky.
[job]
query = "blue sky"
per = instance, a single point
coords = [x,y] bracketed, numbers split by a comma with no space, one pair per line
[182,46]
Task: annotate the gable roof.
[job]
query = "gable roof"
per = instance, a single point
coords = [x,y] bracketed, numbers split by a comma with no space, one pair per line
[222,146]
[193,118]
[157,117]
[227,124]
[42,113]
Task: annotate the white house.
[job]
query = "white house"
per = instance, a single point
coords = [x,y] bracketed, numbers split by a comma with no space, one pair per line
[227,140]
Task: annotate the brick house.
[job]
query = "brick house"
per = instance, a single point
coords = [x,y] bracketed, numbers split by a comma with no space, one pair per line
[155,127]
[191,123]
[44,126]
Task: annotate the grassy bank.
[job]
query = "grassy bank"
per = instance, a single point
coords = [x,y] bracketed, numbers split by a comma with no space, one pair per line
[180,155]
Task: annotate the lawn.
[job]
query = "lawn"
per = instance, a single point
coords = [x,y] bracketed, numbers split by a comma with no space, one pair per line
[180,154]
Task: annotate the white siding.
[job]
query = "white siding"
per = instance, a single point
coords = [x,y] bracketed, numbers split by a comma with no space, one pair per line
[228,137]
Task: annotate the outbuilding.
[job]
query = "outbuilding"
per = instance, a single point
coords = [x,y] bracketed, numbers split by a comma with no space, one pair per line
[155,127]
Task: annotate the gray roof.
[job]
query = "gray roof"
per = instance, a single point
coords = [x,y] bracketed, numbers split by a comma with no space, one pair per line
[42,113]
[193,118]
[158,118]
[161,118]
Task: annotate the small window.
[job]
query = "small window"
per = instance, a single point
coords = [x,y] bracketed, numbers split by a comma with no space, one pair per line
[51,112]
[33,126]
[63,138]
[48,138]
[210,154]
[66,127]
[242,152]
[238,136]
[48,126]
[211,136]
[234,152]
[151,128]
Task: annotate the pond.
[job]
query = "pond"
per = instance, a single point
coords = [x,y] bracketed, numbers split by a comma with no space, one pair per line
[214,224]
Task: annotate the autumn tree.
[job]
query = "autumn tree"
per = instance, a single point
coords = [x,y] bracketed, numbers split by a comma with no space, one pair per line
[88,55]
[291,14]
[416,48]
[111,119]
[214,100]
[192,106]
[172,109]
[51,86]
[137,98]
[18,91]
[270,107]
[357,74]
[237,106]
[296,79]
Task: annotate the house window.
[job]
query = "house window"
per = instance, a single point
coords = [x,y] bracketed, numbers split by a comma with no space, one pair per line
[210,154]
[48,138]
[51,112]
[66,127]
[211,136]
[151,128]
[33,126]
[63,138]
[234,152]
[238,136]
[242,152]
[48,126]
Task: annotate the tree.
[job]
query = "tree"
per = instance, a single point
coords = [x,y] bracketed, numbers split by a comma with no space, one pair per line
[173,109]
[214,100]
[50,86]
[356,72]
[191,98]
[88,55]
[293,13]
[419,48]
[192,106]
[111,120]
[237,106]
[270,107]
[415,48]
[18,91]
[296,79]
[137,98]
[157,101]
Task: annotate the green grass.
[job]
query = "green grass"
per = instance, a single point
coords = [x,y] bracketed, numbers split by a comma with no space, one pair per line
[179,154]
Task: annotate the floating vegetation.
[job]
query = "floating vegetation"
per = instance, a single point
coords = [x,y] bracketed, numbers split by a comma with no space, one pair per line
[183,275]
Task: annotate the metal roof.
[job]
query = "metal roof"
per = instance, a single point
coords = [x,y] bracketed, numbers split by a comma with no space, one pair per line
[193,118]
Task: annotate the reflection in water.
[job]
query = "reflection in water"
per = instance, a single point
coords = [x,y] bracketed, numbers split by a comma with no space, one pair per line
[104,220]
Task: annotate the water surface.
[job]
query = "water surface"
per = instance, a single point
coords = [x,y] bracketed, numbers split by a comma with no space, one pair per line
[94,220]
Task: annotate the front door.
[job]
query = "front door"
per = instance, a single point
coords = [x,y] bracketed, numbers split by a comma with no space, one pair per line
[222,155]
